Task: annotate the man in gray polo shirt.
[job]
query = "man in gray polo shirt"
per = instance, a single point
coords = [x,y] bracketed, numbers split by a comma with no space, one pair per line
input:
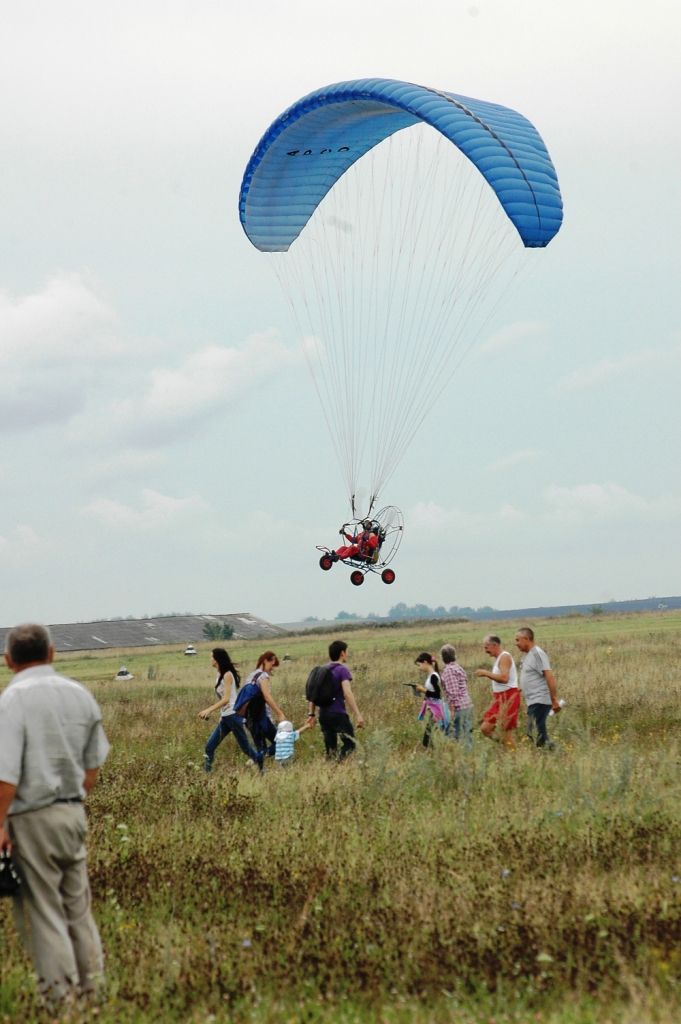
[52,745]
[538,684]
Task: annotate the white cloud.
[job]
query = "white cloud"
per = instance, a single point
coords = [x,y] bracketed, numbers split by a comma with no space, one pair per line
[56,342]
[64,320]
[590,503]
[156,511]
[312,348]
[607,502]
[268,527]
[514,336]
[214,375]
[123,465]
[210,380]
[429,515]
[598,373]
[514,459]
[510,513]
[26,404]
[434,521]
[21,543]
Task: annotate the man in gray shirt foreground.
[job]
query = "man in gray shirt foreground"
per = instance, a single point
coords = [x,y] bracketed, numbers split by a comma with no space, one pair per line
[538,684]
[52,745]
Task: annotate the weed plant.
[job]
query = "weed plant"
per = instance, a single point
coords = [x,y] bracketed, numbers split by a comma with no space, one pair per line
[404,885]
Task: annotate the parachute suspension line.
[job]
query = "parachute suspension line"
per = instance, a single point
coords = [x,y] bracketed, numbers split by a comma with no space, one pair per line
[394,348]
[412,362]
[328,351]
[336,361]
[330,396]
[388,279]
[422,331]
[398,332]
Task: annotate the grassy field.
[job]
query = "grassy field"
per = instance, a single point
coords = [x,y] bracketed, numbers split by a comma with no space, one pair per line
[405,885]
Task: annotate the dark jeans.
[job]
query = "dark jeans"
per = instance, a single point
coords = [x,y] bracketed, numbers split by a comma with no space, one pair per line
[462,726]
[233,724]
[334,724]
[537,715]
[262,731]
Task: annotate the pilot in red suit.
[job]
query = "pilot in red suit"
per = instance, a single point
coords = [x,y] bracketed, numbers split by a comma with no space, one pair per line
[362,545]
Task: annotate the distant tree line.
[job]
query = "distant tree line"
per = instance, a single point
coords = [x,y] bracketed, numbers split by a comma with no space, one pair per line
[403,612]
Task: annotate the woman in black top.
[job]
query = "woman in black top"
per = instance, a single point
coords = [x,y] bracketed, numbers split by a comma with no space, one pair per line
[434,710]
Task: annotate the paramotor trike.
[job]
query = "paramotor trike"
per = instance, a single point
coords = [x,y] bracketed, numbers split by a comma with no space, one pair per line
[388,526]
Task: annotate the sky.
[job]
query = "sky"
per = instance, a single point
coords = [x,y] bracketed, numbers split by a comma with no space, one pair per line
[162,446]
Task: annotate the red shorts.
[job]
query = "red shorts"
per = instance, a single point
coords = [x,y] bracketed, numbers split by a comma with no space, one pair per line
[504,709]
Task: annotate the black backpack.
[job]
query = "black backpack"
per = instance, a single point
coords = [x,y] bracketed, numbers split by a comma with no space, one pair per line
[320,688]
[10,882]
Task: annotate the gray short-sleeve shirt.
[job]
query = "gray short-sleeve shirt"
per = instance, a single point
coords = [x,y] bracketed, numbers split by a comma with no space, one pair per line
[50,733]
[532,680]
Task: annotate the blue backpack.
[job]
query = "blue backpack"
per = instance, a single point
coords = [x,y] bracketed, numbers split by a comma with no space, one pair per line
[250,702]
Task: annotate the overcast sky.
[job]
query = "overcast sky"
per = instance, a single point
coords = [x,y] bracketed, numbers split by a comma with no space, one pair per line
[162,449]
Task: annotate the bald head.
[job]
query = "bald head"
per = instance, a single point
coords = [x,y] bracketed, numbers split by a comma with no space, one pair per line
[492,644]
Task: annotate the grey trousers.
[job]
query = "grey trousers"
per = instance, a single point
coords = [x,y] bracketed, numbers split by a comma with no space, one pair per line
[52,912]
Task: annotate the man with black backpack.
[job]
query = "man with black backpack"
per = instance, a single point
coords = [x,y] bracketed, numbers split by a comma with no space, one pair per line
[328,688]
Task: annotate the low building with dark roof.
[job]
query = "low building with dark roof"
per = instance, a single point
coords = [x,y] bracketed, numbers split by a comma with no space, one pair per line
[163,629]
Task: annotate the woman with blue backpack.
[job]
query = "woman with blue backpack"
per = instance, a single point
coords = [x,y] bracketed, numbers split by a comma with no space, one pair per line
[259,708]
[227,692]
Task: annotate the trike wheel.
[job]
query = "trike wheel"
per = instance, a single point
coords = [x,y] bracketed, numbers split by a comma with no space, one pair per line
[326,561]
[388,576]
[357,578]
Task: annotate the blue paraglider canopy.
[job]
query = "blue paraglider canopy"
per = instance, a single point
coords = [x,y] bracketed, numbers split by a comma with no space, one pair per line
[309,147]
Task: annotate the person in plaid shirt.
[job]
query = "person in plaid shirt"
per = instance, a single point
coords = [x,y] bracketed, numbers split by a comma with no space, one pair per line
[455,685]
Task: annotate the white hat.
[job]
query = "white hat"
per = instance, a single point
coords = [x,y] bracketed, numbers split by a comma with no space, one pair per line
[285,727]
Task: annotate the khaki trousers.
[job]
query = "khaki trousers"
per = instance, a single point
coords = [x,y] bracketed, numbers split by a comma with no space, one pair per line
[52,911]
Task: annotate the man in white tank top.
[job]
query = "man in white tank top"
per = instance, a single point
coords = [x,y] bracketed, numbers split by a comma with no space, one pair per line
[503,711]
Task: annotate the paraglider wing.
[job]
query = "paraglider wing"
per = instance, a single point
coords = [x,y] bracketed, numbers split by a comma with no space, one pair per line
[310,146]
[412,211]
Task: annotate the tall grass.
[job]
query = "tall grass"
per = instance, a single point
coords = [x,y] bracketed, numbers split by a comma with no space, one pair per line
[404,885]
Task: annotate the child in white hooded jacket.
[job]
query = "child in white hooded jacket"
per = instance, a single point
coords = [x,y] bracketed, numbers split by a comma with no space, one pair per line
[286,740]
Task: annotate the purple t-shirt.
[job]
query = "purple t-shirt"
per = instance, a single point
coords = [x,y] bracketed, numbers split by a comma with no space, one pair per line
[340,672]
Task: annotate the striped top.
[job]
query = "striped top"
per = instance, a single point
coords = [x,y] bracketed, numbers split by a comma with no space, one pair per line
[285,745]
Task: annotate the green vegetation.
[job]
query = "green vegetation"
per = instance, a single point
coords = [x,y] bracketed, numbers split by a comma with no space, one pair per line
[217,631]
[403,886]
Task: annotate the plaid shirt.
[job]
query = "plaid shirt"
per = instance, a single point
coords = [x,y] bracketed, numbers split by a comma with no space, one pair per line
[455,685]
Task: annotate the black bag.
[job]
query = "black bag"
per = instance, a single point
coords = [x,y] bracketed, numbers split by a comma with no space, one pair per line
[9,877]
[319,688]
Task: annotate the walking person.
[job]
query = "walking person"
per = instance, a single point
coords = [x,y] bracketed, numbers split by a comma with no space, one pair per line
[52,745]
[434,709]
[226,689]
[334,720]
[262,709]
[538,685]
[503,711]
[286,739]
[455,686]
